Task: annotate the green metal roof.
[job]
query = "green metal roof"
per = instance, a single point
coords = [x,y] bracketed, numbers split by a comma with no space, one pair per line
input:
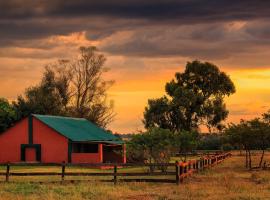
[77,129]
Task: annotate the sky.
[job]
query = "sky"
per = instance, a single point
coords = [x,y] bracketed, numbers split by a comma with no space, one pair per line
[145,43]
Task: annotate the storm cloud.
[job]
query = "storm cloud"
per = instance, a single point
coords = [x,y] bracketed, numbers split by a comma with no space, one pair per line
[183,10]
[24,19]
[145,42]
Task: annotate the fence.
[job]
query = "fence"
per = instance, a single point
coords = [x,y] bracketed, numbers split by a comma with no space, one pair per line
[182,170]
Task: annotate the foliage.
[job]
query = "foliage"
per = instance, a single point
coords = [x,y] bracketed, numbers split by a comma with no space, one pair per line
[186,142]
[158,145]
[210,142]
[73,88]
[154,146]
[7,114]
[41,99]
[195,97]
[250,135]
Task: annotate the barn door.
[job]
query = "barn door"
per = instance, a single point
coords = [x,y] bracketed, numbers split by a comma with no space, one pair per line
[30,154]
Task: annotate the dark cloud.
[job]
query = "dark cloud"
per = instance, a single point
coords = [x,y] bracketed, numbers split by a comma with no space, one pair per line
[204,41]
[27,19]
[188,28]
[190,10]
[259,30]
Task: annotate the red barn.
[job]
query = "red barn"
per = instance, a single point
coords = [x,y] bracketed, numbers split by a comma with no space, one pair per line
[54,139]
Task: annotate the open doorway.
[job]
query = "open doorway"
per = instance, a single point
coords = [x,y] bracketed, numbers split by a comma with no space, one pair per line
[112,153]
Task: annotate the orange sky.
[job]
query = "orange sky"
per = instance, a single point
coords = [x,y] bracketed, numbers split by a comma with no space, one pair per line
[145,43]
[251,99]
[134,87]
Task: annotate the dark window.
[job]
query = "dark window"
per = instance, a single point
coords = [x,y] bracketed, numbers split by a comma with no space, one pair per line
[84,148]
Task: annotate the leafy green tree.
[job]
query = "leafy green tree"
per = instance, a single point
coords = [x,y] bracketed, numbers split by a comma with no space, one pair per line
[251,135]
[154,146]
[210,142]
[195,97]
[261,130]
[7,115]
[158,145]
[241,136]
[41,99]
[186,142]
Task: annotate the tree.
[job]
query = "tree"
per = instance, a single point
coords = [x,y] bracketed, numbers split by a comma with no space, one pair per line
[195,97]
[89,97]
[43,98]
[154,146]
[251,135]
[210,142]
[72,88]
[186,142]
[241,135]
[7,115]
[158,145]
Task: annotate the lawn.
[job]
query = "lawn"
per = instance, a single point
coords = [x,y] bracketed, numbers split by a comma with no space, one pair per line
[229,180]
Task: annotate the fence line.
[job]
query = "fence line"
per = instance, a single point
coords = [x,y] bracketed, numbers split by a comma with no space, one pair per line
[185,169]
[182,169]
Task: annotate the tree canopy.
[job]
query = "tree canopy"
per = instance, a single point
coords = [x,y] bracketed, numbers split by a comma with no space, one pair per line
[250,135]
[72,88]
[195,97]
[7,114]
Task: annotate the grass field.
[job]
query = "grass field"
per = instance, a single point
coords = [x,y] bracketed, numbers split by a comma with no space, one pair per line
[229,180]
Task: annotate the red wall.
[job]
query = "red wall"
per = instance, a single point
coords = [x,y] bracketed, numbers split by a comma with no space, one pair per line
[54,147]
[30,155]
[85,158]
[88,157]
[11,140]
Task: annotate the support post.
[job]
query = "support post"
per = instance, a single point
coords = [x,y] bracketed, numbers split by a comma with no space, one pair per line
[115,174]
[100,152]
[124,153]
[7,172]
[180,173]
[177,176]
[63,171]
[203,162]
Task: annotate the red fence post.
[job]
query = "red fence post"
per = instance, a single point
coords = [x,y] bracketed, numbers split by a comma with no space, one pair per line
[181,172]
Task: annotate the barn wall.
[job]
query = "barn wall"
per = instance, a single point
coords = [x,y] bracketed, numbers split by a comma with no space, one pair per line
[54,147]
[88,157]
[85,158]
[11,140]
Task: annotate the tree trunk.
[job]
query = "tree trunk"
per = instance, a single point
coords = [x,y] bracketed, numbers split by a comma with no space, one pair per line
[246,158]
[250,163]
[262,156]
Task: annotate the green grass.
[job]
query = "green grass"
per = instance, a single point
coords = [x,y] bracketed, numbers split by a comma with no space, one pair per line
[228,181]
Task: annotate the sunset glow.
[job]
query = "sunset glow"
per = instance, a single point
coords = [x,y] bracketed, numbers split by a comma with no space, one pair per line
[143,50]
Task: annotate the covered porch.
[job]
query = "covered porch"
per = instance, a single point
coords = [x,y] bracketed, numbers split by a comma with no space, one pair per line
[98,152]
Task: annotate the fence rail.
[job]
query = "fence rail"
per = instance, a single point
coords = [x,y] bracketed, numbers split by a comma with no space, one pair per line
[182,169]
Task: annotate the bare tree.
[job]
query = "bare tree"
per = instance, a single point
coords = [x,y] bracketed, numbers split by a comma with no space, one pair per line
[81,87]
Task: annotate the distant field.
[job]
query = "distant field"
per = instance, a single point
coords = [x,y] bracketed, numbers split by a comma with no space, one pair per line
[228,181]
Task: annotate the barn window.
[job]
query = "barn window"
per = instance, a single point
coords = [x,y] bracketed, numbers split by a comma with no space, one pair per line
[84,148]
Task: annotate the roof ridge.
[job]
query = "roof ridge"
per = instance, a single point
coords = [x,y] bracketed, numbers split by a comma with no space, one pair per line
[57,116]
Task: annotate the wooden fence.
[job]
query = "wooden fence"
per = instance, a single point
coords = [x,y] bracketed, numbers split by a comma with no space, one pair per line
[181,170]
